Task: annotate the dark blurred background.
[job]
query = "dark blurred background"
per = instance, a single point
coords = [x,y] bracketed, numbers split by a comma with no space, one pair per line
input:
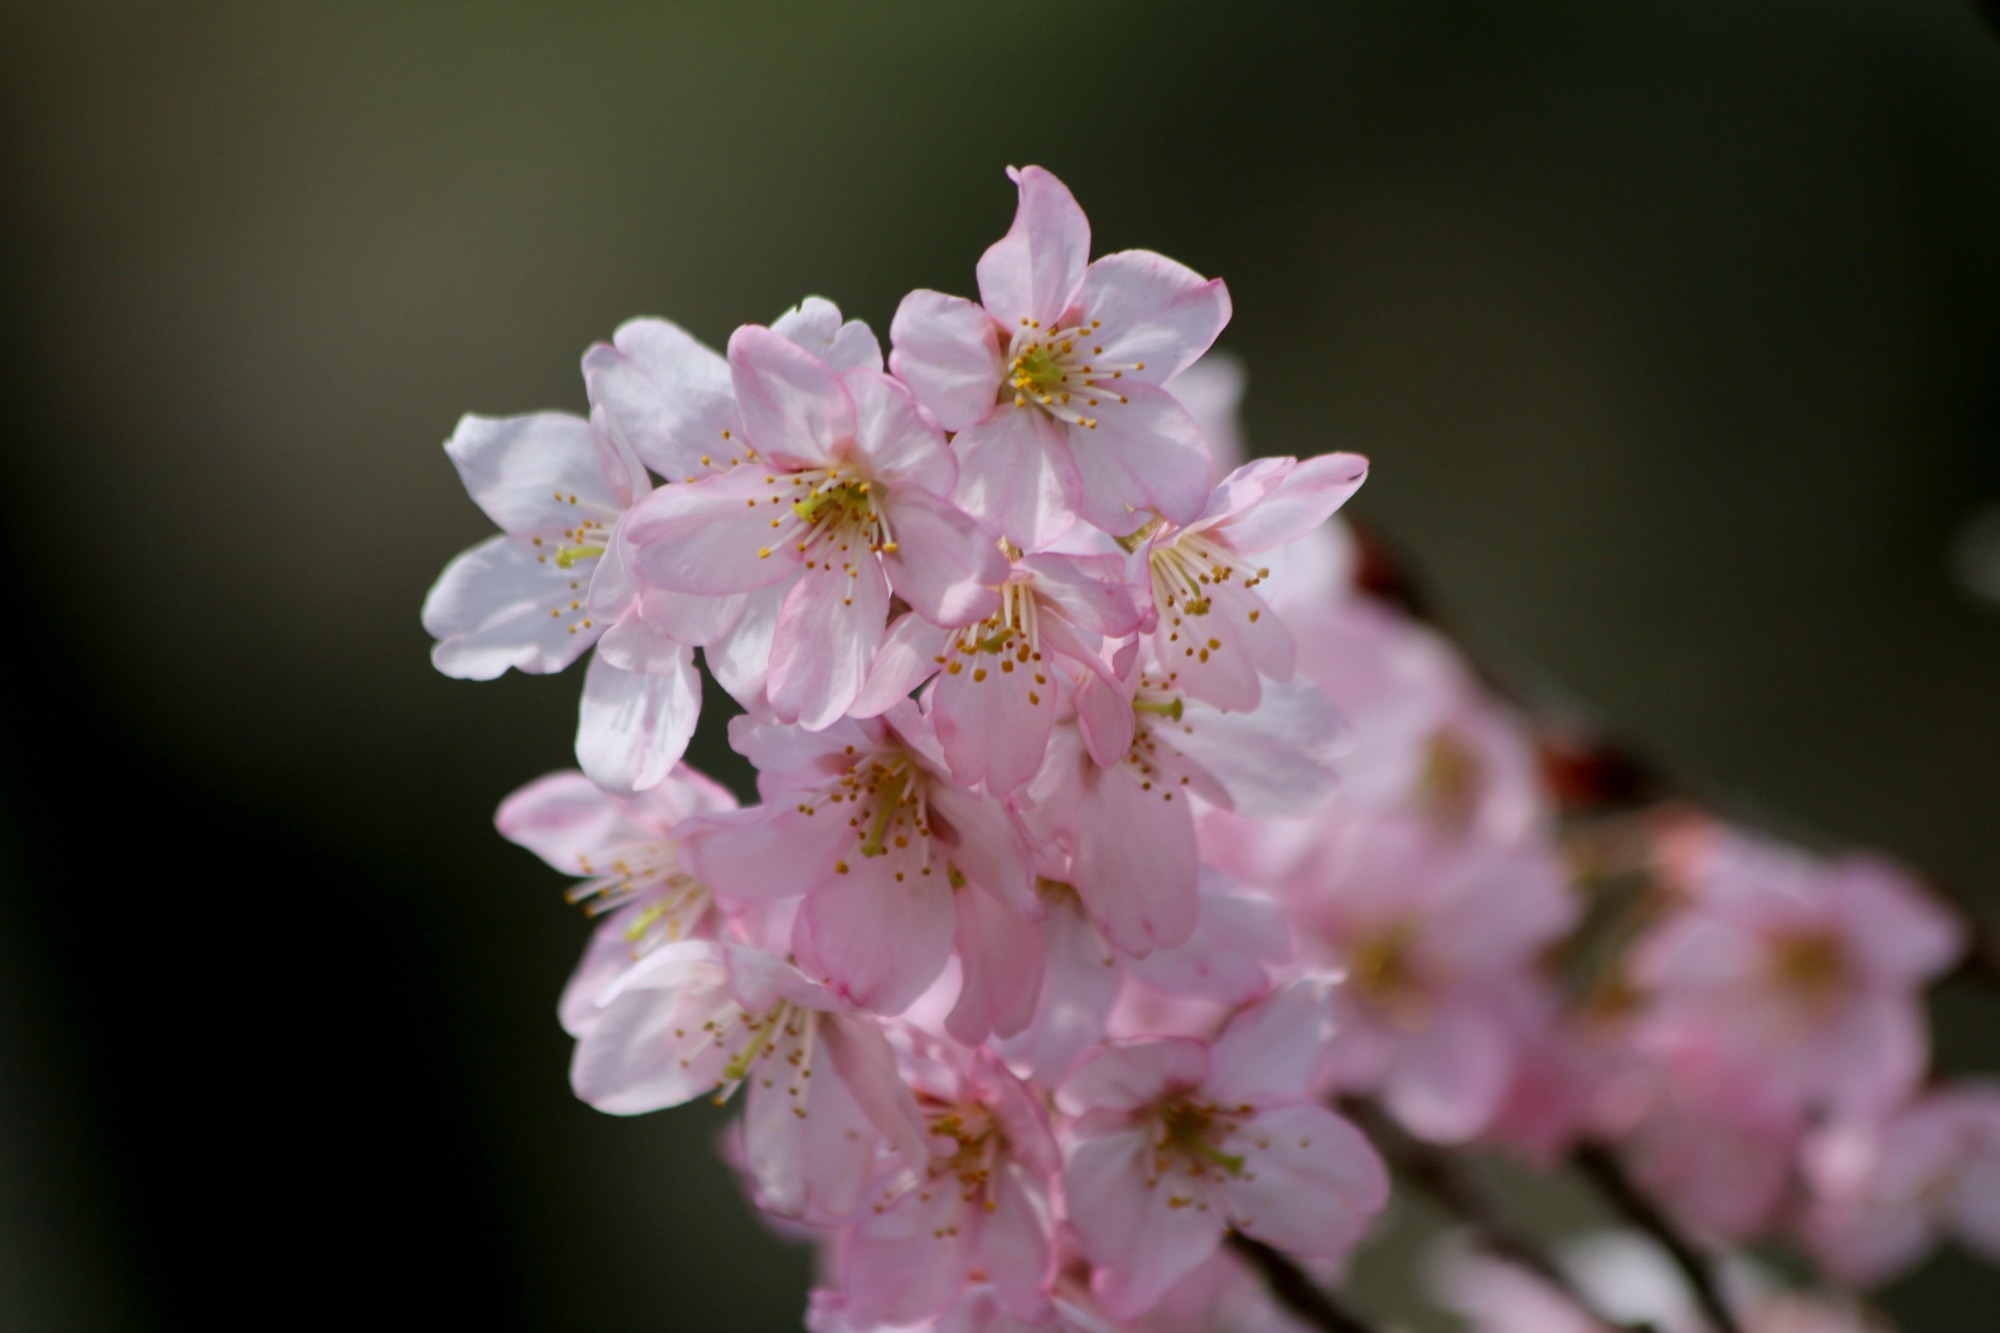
[1673,330]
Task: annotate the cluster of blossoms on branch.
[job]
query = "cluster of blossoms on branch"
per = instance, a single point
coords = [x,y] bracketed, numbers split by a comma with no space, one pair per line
[1120,856]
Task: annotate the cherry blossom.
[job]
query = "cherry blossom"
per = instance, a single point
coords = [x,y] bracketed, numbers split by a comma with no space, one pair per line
[1790,978]
[1176,1140]
[843,504]
[1885,1191]
[897,863]
[1052,382]
[1214,636]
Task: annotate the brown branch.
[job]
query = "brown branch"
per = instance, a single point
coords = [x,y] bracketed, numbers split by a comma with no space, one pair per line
[1441,1178]
[1294,1290]
[1601,1167]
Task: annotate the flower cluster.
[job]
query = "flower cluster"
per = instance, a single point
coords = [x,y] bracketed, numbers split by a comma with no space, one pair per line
[1119,849]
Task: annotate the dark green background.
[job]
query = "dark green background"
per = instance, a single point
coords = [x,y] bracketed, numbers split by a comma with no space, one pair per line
[1673,330]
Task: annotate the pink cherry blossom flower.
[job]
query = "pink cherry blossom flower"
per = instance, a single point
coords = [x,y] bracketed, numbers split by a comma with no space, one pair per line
[995,691]
[1431,935]
[701,1017]
[1885,1191]
[1428,737]
[670,400]
[555,581]
[1175,1141]
[1791,978]
[626,849]
[1117,790]
[1214,635]
[980,1210]
[840,503]
[898,865]
[1052,382]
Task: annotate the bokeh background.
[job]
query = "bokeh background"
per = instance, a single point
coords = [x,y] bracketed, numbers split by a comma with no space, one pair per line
[1673,330]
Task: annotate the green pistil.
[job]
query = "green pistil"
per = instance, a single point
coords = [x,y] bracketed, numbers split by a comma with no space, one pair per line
[848,497]
[1187,1129]
[1170,708]
[994,643]
[887,798]
[567,556]
[1134,540]
[739,1069]
[1038,371]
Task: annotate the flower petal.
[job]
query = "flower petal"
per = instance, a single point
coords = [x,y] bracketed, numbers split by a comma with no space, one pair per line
[668,398]
[879,934]
[504,604]
[634,726]
[1306,498]
[948,350]
[815,325]
[1144,454]
[826,639]
[715,536]
[795,409]
[1310,1182]
[533,470]
[1156,315]
[1015,472]
[945,564]
[896,443]
[1033,272]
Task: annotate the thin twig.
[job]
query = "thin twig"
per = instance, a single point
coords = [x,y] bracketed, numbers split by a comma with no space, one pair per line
[1601,1167]
[1295,1291]
[1451,1188]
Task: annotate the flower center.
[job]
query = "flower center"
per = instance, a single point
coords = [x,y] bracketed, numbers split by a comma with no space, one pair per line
[1055,370]
[650,871]
[1196,1133]
[1448,785]
[1380,967]
[1812,965]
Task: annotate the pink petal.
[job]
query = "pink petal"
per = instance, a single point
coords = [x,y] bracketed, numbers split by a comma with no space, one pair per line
[1905,933]
[1016,1246]
[826,639]
[633,727]
[1145,1232]
[1144,454]
[714,536]
[1015,472]
[948,351]
[908,1263]
[1156,314]
[984,841]
[1000,969]
[740,658]
[523,470]
[649,1047]
[877,940]
[815,325]
[1034,271]
[568,821]
[1131,1076]
[668,398]
[502,605]
[860,1055]
[908,657]
[896,444]
[994,724]
[1306,498]
[945,565]
[764,852]
[1271,1051]
[795,410]
[1275,761]
[1449,1079]
[1237,938]
[1080,982]
[1104,717]
[1089,590]
[1134,862]
[1310,1183]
